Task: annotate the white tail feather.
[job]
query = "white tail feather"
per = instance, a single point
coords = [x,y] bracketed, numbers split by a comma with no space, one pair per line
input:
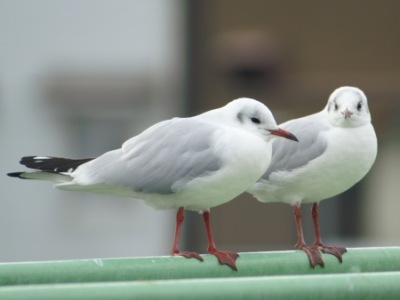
[46,176]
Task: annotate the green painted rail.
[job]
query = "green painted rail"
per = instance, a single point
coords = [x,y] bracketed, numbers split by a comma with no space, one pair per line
[365,286]
[153,268]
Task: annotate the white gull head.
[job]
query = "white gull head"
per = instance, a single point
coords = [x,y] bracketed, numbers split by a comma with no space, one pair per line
[252,116]
[348,107]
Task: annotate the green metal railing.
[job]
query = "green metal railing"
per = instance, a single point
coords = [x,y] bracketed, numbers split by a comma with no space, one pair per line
[366,273]
[168,267]
[365,286]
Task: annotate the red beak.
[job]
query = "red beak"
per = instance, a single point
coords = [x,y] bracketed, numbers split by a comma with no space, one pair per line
[283,133]
[347,113]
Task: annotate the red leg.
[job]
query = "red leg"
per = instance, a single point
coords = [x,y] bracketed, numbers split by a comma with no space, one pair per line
[313,254]
[224,257]
[175,251]
[336,251]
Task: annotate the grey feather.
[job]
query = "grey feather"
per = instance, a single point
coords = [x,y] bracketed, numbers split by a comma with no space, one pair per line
[161,159]
[289,156]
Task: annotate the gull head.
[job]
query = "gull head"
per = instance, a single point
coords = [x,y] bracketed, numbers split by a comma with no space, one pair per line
[255,117]
[348,107]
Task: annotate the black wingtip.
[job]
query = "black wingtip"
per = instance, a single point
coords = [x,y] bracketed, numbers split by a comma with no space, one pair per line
[16,174]
[52,164]
[26,159]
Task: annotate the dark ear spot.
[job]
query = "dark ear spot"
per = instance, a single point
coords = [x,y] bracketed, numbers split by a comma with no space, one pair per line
[240,117]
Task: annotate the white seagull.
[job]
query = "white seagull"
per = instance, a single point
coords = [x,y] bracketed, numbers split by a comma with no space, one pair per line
[186,163]
[337,148]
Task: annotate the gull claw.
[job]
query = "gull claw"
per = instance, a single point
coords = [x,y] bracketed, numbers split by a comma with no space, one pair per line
[225,257]
[335,251]
[313,254]
[188,255]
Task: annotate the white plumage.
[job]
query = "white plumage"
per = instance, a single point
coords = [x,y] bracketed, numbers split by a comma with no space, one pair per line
[187,163]
[336,149]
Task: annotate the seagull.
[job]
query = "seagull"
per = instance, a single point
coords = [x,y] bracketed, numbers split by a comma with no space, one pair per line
[184,163]
[337,148]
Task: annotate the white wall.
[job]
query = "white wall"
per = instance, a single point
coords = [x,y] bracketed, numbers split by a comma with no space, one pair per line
[41,38]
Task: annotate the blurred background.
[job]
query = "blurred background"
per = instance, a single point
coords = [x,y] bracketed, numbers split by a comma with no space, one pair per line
[78,78]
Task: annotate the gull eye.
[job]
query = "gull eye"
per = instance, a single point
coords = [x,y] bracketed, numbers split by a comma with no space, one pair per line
[336,106]
[255,120]
[359,106]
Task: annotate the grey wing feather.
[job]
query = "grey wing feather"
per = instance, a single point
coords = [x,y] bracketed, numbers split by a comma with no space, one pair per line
[288,155]
[161,159]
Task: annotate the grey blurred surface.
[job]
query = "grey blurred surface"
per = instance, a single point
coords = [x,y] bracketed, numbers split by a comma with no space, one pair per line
[78,78]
